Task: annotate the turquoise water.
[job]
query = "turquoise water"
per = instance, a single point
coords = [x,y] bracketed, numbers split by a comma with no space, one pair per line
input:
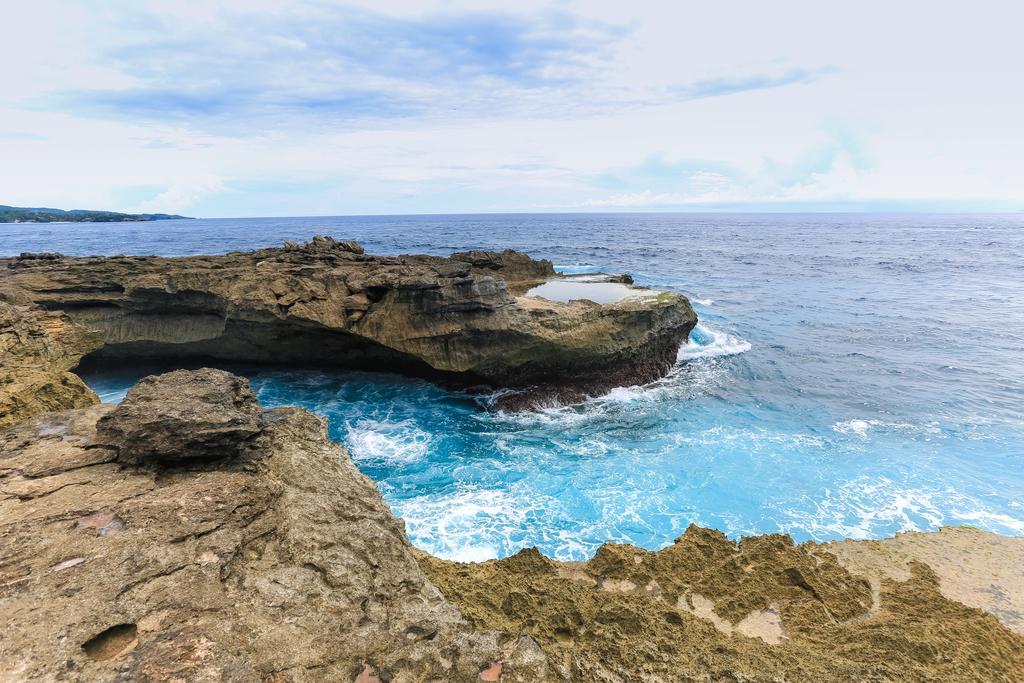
[852,375]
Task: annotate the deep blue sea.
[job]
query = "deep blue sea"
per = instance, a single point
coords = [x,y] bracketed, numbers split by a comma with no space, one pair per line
[852,376]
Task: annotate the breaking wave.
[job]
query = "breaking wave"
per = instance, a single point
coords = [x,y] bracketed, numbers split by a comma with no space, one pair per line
[705,342]
[387,443]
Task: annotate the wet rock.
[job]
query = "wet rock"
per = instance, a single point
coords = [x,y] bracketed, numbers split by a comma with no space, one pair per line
[183,416]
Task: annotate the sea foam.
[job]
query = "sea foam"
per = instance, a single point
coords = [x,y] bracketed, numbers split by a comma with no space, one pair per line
[391,443]
[705,342]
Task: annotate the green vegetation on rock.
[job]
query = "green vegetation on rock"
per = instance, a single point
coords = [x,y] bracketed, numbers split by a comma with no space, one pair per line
[15,214]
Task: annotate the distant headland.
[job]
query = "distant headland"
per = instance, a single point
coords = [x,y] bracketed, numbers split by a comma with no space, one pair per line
[16,214]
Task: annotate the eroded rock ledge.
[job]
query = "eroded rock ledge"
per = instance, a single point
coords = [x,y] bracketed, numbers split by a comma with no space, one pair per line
[189,535]
[37,350]
[461,319]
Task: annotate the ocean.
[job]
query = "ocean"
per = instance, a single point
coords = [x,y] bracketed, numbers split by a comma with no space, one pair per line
[853,375]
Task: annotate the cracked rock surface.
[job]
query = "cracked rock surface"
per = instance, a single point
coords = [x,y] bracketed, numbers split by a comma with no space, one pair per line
[37,350]
[276,561]
[462,319]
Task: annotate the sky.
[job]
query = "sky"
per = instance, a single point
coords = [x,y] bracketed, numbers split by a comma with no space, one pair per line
[262,108]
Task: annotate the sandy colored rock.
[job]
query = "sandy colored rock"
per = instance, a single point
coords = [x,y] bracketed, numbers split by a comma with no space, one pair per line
[283,565]
[37,348]
[461,319]
[976,568]
[708,609]
[213,415]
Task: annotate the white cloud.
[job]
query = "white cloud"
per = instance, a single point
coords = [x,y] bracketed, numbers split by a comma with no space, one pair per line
[181,197]
[924,94]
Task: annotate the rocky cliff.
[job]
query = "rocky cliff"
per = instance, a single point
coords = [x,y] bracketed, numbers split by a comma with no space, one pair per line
[189,535]
[461,319]
[37,350]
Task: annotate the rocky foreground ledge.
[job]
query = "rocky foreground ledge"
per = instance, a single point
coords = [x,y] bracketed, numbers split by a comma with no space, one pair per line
[189,535]
[461,319]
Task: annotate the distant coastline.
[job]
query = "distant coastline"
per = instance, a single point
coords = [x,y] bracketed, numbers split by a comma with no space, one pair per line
[16,214]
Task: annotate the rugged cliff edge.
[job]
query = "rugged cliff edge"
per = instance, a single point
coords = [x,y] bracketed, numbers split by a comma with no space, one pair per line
[462,319]
[37,350]
[187,534]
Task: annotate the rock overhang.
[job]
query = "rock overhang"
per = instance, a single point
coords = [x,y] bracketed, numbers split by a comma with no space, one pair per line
[287,564]
[463,320]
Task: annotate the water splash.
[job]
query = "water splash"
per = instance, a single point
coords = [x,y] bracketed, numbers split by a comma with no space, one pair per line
[705,342]
[387,443]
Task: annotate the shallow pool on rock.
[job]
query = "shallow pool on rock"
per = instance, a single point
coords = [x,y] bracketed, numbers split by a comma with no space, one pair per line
[572,290]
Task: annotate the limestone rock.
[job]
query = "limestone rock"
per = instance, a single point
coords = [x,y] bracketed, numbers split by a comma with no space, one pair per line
[285,565]
[514,267]
[324,244]
[462,320]
[40,256]
[183,416]
[764,609]
[37,348]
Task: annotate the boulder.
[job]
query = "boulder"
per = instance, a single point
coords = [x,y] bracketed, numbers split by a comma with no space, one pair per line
[325,244]
[181,417]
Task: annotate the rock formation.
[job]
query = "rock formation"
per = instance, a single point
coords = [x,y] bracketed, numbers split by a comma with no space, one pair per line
[709,609]
[37,349]
[461,319]
[220,420]
[188,535]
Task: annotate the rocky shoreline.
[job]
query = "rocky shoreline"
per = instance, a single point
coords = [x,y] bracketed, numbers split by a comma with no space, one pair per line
[189,534]
[462,320]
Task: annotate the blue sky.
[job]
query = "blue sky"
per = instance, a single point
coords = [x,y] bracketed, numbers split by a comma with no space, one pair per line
[313,108]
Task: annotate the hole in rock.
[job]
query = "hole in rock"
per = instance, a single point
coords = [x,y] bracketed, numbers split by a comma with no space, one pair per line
[112,642]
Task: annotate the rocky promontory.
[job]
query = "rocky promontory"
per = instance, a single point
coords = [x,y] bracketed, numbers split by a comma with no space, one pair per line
[463,319]
[189,535]
[38,348]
